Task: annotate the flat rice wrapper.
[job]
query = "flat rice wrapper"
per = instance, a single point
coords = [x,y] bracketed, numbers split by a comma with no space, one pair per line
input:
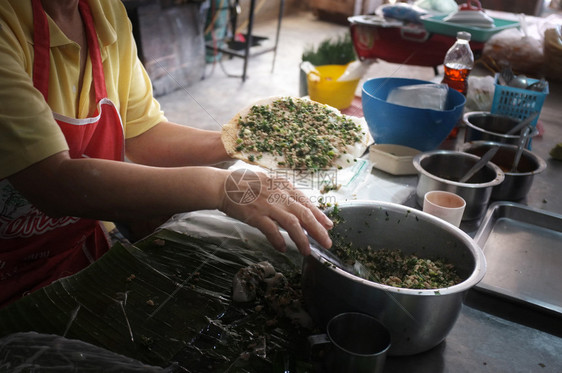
[341,158]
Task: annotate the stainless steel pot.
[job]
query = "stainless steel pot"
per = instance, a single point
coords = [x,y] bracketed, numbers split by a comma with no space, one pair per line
[485,126]
[517,184]
[417,319]
[439,170]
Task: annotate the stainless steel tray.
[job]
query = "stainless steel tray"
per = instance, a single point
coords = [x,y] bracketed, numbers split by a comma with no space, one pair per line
[523,249]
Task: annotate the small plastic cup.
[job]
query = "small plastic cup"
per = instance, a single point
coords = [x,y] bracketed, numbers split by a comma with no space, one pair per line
[445,205]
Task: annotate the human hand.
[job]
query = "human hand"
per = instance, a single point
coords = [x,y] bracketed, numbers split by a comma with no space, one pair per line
[269,203]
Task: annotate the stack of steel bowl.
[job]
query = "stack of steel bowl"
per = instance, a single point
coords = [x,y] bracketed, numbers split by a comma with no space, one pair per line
[484,131]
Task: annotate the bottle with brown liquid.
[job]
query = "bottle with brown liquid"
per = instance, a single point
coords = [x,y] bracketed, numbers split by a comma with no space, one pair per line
[458,62]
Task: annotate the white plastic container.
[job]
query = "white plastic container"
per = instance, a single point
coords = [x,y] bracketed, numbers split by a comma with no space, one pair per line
[394,159]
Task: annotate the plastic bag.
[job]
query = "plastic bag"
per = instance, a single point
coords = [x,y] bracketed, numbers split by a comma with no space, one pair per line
[553,52]
[421,96]
[355,70]
[521,49]
[437,6]
[402,11]
[480,94]
[552,26]
[35,352]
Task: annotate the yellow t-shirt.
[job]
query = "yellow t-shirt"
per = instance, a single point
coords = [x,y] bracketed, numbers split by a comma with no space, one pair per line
[28,132]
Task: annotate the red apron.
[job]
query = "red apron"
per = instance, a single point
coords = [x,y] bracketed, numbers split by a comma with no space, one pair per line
[36,249]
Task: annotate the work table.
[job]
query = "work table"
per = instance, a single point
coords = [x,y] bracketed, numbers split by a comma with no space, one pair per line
[154,301]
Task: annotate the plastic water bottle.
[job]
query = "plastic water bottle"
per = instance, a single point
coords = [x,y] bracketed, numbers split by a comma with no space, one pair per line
[458,62]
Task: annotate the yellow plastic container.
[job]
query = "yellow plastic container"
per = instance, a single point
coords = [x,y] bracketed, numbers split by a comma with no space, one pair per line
[325,88]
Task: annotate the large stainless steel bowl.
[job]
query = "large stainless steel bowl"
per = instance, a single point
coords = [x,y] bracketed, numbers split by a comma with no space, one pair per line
[441,170]
[417,319]
[517,183]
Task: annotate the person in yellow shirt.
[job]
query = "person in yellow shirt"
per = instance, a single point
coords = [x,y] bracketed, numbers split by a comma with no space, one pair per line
[74,101]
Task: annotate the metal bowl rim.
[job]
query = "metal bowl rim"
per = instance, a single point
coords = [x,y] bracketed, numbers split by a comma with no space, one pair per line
[500,176]
[475,277]
[487,113]
[541,163]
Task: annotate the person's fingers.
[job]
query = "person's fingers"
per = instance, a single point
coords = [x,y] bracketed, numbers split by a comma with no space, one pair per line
[298,220]
[298,216]
[271,231]
[279,204]
[312,226]
[293,226]
[317,213]
[322,218]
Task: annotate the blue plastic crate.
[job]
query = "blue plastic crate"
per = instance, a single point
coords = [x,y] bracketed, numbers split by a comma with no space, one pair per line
[517,102]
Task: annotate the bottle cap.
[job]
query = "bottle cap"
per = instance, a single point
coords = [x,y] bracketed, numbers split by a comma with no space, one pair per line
[463,35]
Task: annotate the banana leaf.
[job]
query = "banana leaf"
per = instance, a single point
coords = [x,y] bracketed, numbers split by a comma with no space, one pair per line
[166,302]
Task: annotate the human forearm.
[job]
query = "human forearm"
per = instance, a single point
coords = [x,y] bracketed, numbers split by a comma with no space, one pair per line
[119,191]
[171,145]
[109,190]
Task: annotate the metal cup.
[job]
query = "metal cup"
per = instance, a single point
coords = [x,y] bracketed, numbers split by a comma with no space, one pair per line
[357,343]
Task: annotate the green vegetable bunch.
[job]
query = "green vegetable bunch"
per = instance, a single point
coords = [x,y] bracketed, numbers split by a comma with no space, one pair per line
[332,51]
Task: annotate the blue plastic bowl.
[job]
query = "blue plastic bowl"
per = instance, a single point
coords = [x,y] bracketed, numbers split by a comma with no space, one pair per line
[422,129]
